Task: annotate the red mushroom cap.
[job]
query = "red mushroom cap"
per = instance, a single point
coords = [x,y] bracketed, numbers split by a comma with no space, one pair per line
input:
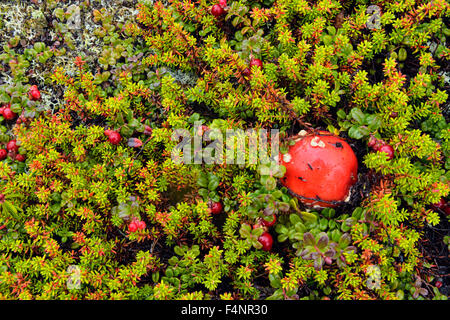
[320,167]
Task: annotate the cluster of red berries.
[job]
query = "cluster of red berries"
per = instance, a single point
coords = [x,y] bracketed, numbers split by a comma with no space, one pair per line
[7,113]
[218,10]
[136,225]
[381,146]
[113,136]
[34,93]
[215,207]
[12,148]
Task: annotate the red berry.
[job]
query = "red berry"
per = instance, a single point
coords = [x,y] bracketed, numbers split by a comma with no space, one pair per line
[256,62]
[217,10]
[223,3]
[447,210]
[269,223]
[388,150]
[107,132]
[12,146]
[372,142]
[438,284]
[114,137]
[320,166]
[377,146]
[215,207]
[133,226]
[20,157]
[8,114]
[258,225]
[266,240]
[3,154]
[440,205]
[34,93]
[141,225]
[246,72]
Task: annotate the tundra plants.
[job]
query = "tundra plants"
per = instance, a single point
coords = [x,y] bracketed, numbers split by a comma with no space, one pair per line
[98,189]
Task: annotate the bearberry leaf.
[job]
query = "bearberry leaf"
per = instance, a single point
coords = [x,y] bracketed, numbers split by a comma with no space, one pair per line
[323,240]
[308,239]
[357,115]
[134,142]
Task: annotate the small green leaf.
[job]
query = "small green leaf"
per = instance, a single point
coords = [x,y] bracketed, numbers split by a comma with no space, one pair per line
[271,183]
[373,122]
[294,218]
[213,184]
[203,193]
[323,224]
[282,237]
[178,250]
[202,181]
[345,240]
[355,133]
[300,227]
[281,229]
[357,115]
[336,235]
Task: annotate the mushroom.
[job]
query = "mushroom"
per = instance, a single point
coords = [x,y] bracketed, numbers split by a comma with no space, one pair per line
[320,169]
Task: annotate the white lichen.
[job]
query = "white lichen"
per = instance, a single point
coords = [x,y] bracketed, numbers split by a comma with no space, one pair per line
[316,142]
[287,158]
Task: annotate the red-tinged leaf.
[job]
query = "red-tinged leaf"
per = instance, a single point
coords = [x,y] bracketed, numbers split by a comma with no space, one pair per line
[148,131]
[323,240]
[308,239]
[134,142]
